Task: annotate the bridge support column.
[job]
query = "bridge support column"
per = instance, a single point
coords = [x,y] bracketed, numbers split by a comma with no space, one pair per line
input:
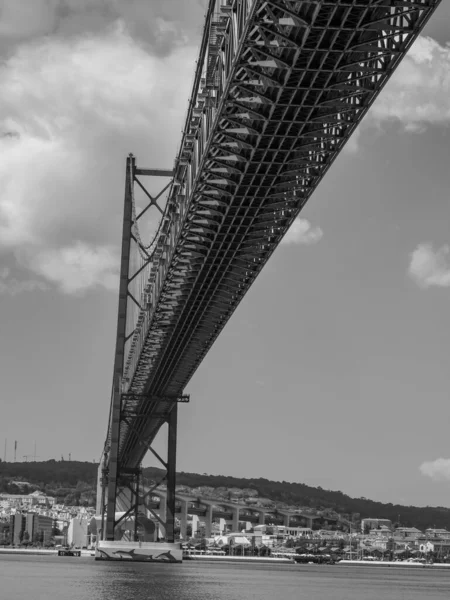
[208,521]
[162,516]
[113,460]
[235,523]
[262,518]
[171,473]
[116,400]
[183,519]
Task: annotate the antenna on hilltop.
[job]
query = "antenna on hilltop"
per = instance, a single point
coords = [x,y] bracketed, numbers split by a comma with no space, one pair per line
[4,454]
[35,455]
[15,450]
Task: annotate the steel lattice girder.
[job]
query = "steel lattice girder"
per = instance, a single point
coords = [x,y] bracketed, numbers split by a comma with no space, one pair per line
[280,87]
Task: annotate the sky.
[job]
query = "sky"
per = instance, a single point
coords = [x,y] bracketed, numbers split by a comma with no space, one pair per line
[333,371]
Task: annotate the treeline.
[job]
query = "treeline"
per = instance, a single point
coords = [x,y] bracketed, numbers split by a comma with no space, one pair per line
[76,482]
[71,482]
[64,473]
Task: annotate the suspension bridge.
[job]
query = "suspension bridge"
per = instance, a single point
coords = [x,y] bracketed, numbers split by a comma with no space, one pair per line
[279,87]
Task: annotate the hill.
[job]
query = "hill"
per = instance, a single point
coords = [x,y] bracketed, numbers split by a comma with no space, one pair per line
[71,483]
[302,495]
[76,481]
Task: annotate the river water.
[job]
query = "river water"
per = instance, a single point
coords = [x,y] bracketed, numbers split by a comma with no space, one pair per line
[58,578]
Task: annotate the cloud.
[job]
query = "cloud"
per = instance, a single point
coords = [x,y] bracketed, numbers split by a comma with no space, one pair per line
[27,17]
[12,286]
[161,26]
[71,109]
[418,93]
[79,267]
[416,96]
[302,232]
[438,470]
[429,267]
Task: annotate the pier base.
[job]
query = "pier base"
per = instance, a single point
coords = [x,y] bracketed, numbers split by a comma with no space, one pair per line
[149,552]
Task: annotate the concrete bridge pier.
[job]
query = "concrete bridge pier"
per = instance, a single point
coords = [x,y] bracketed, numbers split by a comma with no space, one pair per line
[208,520]
[162,513]
[235,521]
[183,519]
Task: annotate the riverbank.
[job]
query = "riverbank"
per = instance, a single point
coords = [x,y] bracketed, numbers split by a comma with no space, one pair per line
[204,558]
[30,551]
[395,564]
[40,551]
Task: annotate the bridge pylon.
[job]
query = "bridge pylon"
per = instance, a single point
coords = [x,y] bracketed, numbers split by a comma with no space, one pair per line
[122,499]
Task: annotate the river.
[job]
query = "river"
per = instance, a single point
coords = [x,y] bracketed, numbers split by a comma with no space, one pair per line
[57,578]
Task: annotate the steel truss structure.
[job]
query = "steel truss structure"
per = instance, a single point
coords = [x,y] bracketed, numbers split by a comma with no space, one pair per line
[280,86]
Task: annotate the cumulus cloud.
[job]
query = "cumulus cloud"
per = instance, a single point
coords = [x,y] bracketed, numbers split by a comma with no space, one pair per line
[71,109]
[12,286]
[302,232]
[429,267]
[438,470]
[78,267]
[418,93]
[416,96]
[162,26]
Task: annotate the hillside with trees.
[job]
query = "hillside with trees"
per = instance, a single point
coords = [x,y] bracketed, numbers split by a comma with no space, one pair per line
[74,483]
[71,482]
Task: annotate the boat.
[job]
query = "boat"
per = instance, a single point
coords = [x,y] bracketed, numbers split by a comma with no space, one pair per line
[68,552]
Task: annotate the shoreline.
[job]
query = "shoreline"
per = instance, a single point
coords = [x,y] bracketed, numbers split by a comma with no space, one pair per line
[238,559]
[36,551]
[40,552]
[392,564]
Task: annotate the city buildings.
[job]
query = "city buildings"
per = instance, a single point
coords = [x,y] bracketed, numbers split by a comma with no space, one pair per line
[36,498]
[36,519]
[369,524]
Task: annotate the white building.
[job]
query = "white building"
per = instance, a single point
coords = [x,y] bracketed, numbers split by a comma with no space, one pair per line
[439,546]
[77,533]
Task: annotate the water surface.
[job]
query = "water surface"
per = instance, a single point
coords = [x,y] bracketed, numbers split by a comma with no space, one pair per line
[58,578]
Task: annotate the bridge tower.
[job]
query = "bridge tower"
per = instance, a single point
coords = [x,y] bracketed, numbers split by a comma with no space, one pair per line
[121,494]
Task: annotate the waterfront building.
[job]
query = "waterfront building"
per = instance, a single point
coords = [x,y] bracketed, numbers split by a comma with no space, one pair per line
[408,533]
[328,534]
[17,528]
[27,500]
[437,545]
[77,532]
[368,524]
[437,533]
[285,532]
[39,527]
[383,532]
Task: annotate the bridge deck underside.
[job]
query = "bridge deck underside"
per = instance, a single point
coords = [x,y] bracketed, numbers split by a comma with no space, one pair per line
[290,88]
